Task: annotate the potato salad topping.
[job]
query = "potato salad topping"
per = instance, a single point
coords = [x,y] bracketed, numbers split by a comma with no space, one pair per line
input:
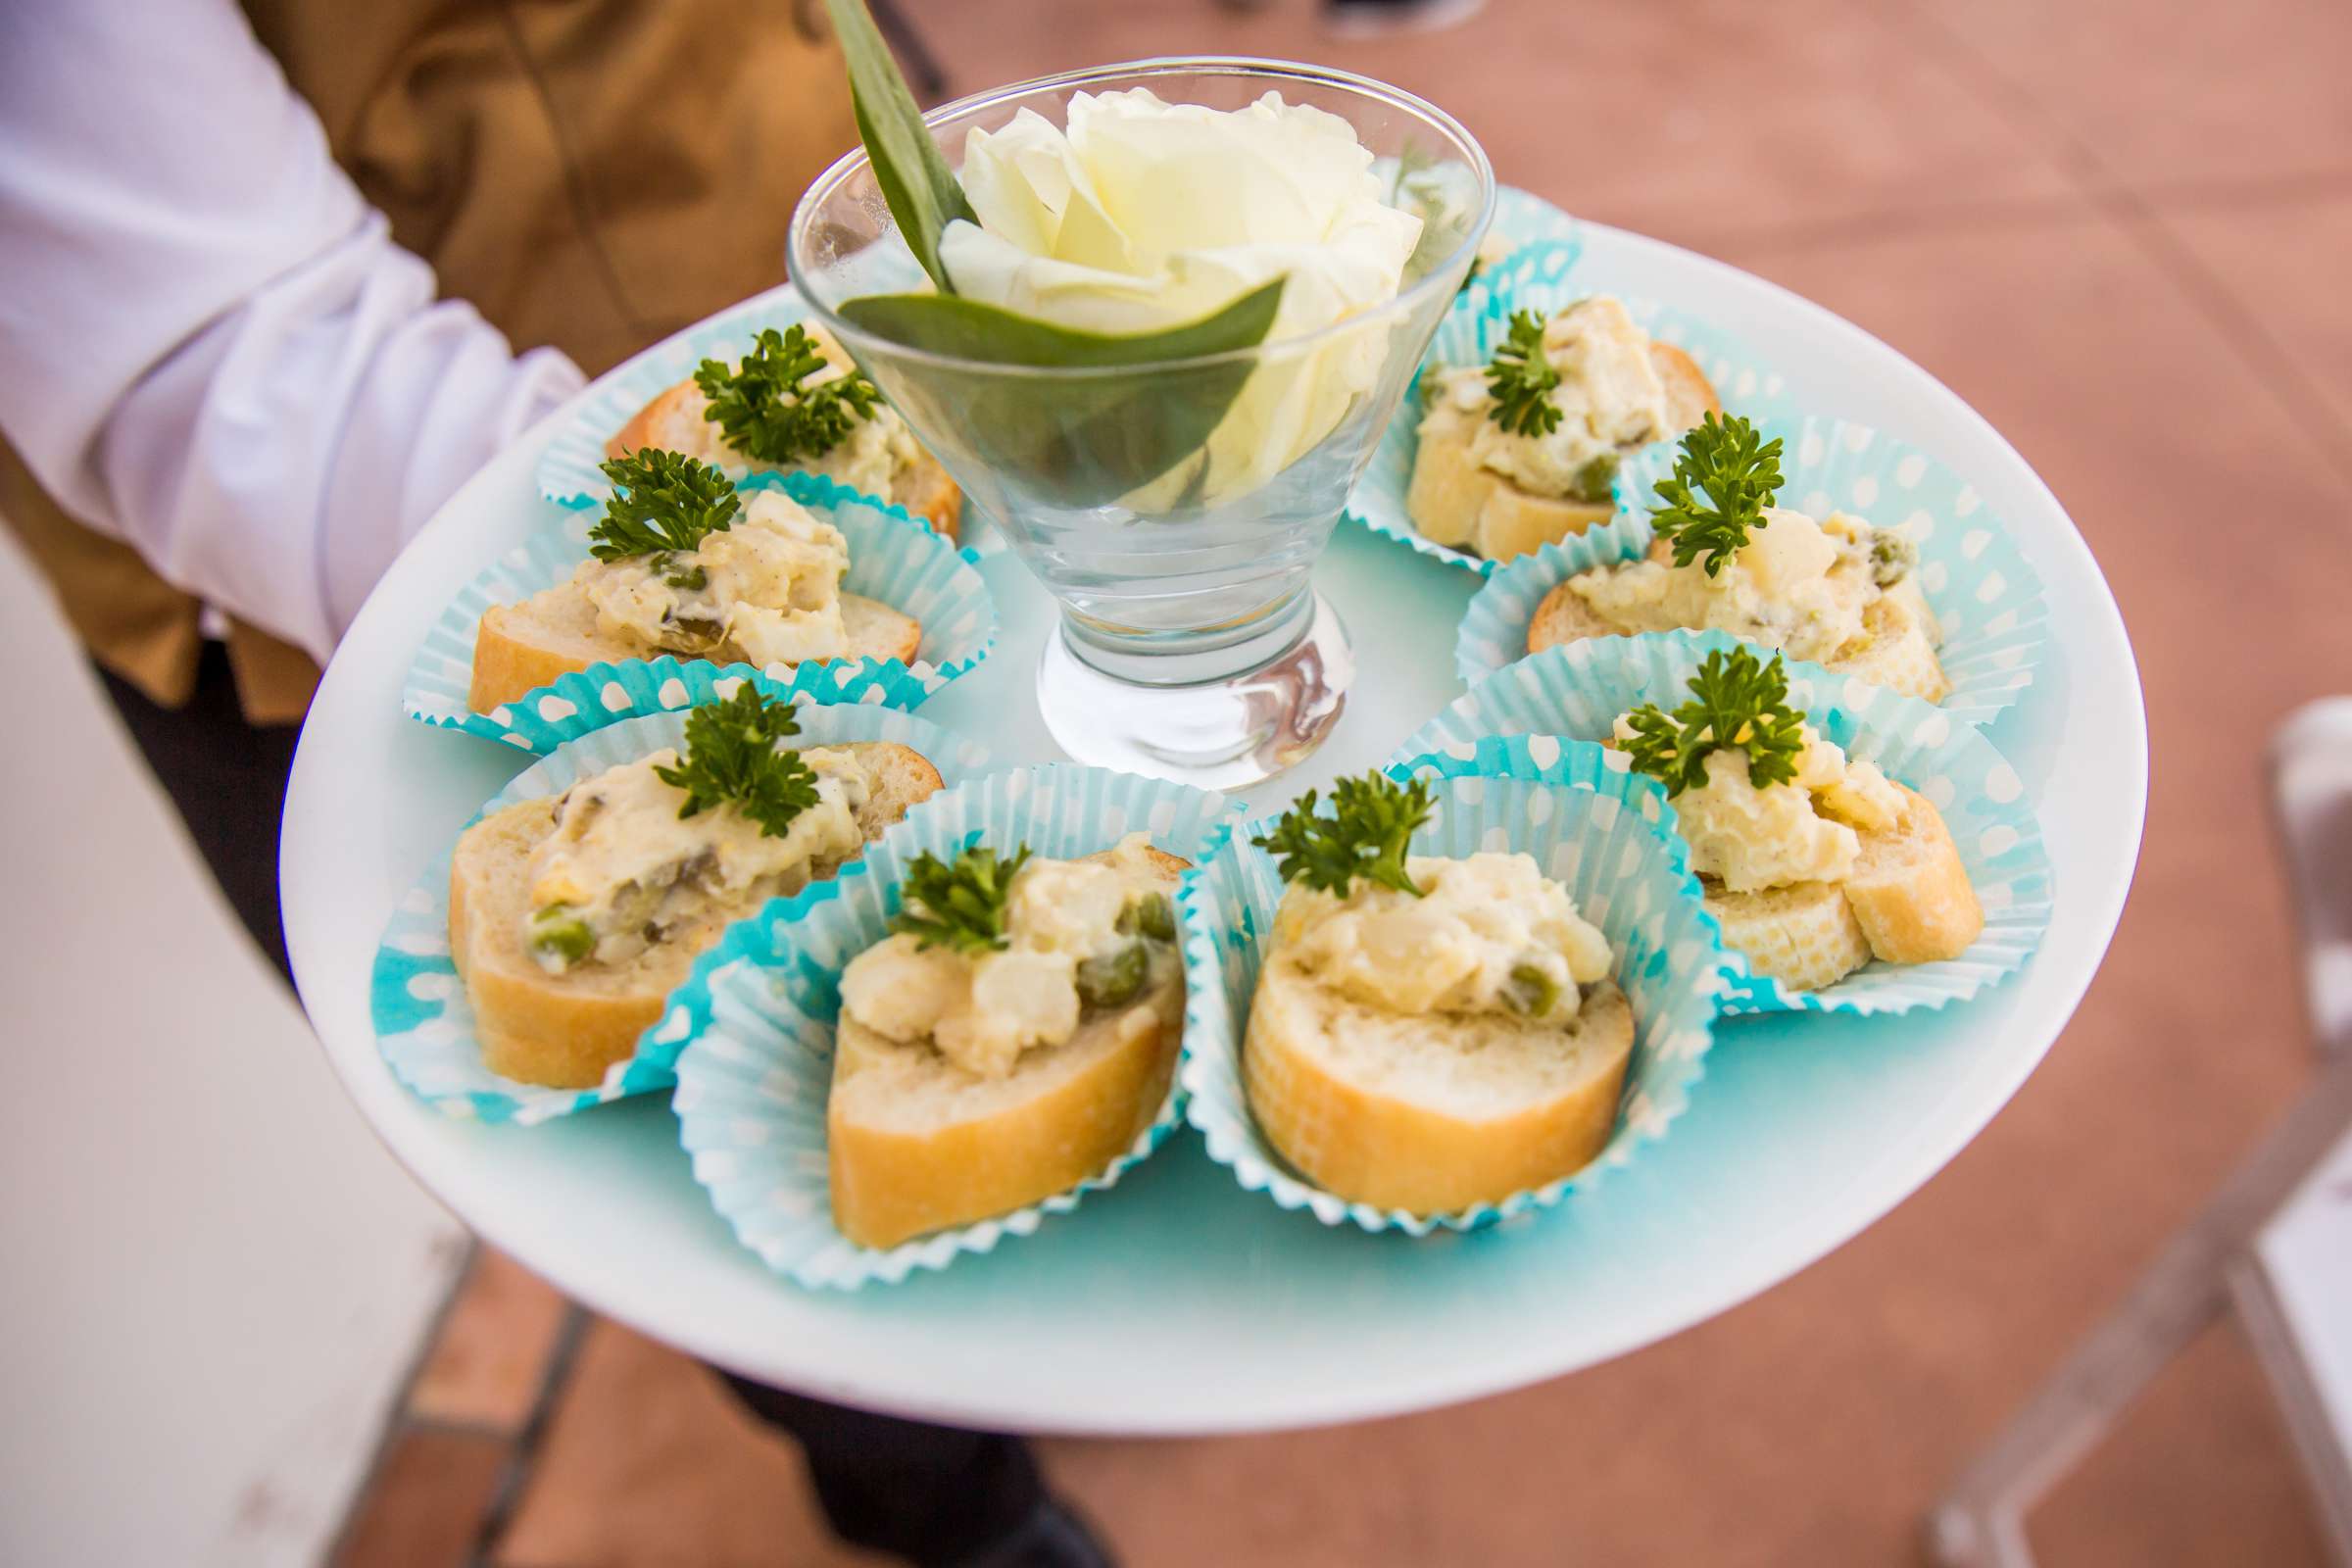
[1489,933]
[765,588]
[644,849]
[1796,583]
[1760,797]
[991,959]
[1562,401]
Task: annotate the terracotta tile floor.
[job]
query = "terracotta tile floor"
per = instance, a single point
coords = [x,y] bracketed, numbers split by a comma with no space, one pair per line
[2118,228]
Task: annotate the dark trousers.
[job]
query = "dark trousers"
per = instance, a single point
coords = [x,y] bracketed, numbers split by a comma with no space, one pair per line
[929,1495]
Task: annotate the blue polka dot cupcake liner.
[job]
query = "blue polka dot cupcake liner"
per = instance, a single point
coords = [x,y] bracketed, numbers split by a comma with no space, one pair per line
[1575,691]
[424,1026]
[759,1014]
[1542,277]
[891,559]
[1986,597]
[1598,831]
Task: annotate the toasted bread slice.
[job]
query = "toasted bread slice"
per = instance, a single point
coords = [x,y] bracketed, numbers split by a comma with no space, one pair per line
[1804,936]
[673,421]
[1433,1113]
[1910,894]
[1563,616]
[564,1031]
[916,1144]
[521,648]
[1690,395]
[1455,502]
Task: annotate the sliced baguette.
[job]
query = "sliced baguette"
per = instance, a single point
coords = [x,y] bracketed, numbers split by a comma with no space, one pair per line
[673,421]
[521,648]
[1897,648]
[1453,501]
[915,1144]
[564,1031]
[1804,936]
[1429,1114]
[1910,894]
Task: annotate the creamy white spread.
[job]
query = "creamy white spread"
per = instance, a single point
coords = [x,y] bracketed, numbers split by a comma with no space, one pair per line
[873,459]
[1490,933]
[1796,584]
[767,588]
[622,869]
[1610,399]
[1081,937]
[1801,831]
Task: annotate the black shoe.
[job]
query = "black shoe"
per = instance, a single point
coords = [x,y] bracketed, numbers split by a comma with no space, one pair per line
[1052,1537]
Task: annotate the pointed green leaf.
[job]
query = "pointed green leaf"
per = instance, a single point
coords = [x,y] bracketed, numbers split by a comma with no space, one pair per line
[914,176]
[1083,441]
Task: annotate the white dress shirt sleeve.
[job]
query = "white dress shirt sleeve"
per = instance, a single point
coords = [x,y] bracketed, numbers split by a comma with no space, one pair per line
[210,347]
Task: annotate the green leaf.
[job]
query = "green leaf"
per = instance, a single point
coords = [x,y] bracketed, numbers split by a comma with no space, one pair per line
[1736,472]
[971,329]
[731,756]
[1521,378]
[1372,819]
[660,501]
[921,190]
[1083,441]
[958,904]
[764,405]
[1737,703]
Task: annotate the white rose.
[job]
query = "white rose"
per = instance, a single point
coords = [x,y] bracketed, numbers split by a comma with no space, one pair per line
[1147,215]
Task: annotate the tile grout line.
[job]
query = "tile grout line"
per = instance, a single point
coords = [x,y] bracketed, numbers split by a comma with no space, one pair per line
[2143,224]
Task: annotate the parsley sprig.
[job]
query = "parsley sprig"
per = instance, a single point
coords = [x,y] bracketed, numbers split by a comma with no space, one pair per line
[762,407]
[660,501]
[1737,471]
[1737,703]
[1365,835]
[958,904]
[731,754]
[1520,379]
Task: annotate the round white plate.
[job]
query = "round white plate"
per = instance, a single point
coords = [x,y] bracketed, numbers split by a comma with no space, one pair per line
[1179,1302]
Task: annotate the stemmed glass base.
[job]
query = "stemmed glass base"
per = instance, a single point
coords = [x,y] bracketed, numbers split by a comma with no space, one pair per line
[1266,710]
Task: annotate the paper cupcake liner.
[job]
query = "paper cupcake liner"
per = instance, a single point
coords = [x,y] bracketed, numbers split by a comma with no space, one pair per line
[759,1014]
[891,559]
[1542,278]
[424,1024]
[1576,690]
[1599,833]
[1986,596]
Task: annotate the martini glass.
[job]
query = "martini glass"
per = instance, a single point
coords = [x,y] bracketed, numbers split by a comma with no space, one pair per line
[1174,510]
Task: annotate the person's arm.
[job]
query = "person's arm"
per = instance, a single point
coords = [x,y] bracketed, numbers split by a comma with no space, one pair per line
[209,345]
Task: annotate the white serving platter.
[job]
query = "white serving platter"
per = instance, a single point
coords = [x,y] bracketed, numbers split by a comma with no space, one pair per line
[1179,1302]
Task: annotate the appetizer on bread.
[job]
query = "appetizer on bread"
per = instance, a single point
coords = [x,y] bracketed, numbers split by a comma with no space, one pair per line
[573,916]
[1427,1033]
[1011,1038]
[1813,862]
[795,401]
[1834,591]
[684,563]
[1523,452]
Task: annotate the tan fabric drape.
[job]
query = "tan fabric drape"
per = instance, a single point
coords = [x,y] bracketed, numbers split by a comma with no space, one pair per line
[588,173]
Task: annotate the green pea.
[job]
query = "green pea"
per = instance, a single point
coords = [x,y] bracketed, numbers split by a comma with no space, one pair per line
[1532,990]
[1151,914]
[1596,481]
[1112,978]
[1891,558]
[562,934]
